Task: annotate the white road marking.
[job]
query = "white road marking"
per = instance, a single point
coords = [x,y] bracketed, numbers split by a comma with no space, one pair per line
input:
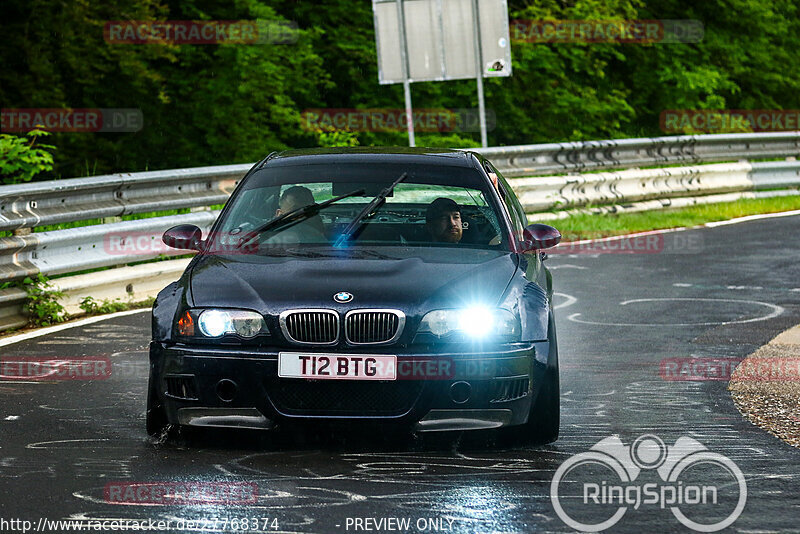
[44,444]
[570,300]
[776,311]
[59,327]
[81,409]
[752,218]
[744,287]
[737,288]
[566,266]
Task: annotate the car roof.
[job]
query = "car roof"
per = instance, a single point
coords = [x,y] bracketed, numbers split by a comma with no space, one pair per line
[425,156]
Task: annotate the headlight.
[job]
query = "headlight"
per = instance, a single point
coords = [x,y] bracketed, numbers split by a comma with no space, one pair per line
[476,322]
[216,323]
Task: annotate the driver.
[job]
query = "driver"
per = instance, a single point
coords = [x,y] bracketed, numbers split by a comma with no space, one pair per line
[443,221]
[310,230]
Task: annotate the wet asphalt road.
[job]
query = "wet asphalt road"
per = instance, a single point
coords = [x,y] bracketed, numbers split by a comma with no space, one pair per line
[619,316]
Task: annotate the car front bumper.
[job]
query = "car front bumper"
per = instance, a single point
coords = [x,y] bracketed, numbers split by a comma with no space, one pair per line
[237,387]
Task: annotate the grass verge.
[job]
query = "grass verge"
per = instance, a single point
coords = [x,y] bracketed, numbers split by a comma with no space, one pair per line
[589,226]
[103,308]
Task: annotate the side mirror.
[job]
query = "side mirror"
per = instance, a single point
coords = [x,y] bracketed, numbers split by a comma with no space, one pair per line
[183,236]
[540,236]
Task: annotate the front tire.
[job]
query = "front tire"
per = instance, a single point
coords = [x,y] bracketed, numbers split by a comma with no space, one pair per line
[544,419]
[156,416]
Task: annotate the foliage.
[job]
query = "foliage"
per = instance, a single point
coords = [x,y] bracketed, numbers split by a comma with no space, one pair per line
[146,303]
[446,141]
[42,305]
[332,137]
[21,160]
[233,103]
[91,307]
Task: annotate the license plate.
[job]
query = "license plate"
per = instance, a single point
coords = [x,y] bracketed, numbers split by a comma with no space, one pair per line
[337,366]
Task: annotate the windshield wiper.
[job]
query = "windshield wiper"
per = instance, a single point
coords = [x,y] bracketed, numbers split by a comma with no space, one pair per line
[293,217]
[369,208]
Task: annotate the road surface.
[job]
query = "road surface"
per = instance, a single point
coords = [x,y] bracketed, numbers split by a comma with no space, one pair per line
[63,444]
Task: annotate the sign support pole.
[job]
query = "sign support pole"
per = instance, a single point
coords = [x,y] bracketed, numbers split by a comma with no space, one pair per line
[406,82]
[479,71]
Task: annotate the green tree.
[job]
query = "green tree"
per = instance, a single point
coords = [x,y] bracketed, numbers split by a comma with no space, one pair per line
[21,159]
[231,103]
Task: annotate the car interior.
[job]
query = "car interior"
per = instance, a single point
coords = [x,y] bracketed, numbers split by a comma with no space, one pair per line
[394,223]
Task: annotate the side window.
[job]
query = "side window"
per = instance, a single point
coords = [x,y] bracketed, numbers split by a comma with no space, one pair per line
[512,206]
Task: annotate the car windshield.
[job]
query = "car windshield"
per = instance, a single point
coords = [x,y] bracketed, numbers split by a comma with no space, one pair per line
[428,208]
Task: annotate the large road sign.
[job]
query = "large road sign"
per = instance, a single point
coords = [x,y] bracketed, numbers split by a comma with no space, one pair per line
[441,40]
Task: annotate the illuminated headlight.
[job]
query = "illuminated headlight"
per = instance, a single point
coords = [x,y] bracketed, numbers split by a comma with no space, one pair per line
[216,323]
[476,322]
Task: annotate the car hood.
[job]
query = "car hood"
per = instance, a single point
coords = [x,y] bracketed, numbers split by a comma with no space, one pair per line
[409,279]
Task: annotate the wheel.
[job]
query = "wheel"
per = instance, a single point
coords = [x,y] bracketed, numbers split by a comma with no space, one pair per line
[156,417]
[544,418]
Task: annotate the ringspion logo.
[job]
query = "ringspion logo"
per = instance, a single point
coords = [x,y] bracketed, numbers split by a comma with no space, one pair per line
[592,491]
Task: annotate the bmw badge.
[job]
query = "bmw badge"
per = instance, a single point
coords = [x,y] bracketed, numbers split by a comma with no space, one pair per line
[343,296]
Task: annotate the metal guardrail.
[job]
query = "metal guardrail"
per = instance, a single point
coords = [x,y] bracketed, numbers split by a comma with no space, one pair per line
[90,247]
[634,185]
[113,195]
[531,160]
[27,206]
[42,203]
[775,174]
[12,314]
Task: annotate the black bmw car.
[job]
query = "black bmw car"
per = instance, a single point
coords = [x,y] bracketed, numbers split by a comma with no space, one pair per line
[402,286]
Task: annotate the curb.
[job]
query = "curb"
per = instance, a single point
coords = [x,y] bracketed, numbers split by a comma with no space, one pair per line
[771,403]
